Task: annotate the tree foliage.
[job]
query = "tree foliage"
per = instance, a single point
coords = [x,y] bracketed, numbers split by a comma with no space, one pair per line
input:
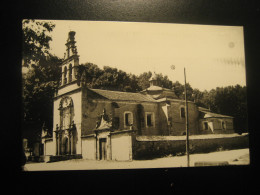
[41,79]
[38,89]
[108,78]
[164,81]
[230,101]
[179,90]
[143,80]
[36,40]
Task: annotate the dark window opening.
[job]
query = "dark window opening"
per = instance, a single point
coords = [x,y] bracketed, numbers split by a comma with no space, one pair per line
[149,120]
[223,125]
[128,121]
[206,127]
[102,149]
[182,112]
[65,75]
[70,73]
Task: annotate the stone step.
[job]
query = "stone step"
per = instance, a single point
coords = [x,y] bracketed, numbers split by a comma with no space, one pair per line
[63,157]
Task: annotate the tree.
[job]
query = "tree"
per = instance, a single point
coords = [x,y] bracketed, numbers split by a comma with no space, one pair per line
[108,78]
[40,83]
[133,85]
[143,80]
[198,97]
[41,80]
[231,101]
[179,90]
[39,86]
[36,40]
[164,81]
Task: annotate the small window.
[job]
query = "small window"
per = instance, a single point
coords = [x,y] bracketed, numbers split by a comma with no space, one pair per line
[65,75]
[70,73]
[128,118]
[182,112]
[149,119]
[206,126]
[223,124]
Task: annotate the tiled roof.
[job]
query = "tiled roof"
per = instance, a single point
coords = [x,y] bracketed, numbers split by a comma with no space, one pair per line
[154,88]
[209,114]
[214,115]
[203,109]
[126,96]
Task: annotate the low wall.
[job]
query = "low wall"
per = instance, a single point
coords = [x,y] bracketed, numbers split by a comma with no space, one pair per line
[49,147]
[118,145]
[121,146]
[89,148]
[148,148]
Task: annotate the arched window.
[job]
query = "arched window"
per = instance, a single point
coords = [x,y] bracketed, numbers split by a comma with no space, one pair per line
[70,73]
[65,75]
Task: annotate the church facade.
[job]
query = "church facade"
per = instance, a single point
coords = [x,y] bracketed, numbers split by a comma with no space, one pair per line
[103,125]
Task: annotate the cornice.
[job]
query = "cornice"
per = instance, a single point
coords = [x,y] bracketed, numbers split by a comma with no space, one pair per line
[68,93]
[67,84]
[69,59]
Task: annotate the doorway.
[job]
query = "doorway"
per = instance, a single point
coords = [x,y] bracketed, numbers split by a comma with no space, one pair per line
[102,148]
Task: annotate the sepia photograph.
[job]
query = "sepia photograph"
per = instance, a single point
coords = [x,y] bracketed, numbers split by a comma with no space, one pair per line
[106,95]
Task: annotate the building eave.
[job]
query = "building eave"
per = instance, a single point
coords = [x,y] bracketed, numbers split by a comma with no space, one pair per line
[68,59]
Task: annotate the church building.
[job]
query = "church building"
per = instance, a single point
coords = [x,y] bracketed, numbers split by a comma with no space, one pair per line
[104,125]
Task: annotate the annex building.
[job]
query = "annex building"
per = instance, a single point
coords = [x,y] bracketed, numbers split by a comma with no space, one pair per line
[101,124]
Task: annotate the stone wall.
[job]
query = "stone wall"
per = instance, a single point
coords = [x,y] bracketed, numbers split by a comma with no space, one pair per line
[154,148]
[92,108]
[178,123]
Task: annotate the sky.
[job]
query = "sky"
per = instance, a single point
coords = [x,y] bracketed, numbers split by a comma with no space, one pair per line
[213,56]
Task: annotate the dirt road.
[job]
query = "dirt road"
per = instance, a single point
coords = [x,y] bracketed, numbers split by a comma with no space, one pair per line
[233,157]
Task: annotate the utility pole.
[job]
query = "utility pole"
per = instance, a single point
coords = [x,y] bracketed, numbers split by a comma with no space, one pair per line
[187,121]
[186,117]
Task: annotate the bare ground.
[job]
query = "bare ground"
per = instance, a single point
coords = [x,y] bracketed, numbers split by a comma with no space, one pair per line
[233,157]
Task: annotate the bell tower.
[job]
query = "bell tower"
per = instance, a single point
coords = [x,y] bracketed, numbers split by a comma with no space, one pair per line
[71,60]
[153,80]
